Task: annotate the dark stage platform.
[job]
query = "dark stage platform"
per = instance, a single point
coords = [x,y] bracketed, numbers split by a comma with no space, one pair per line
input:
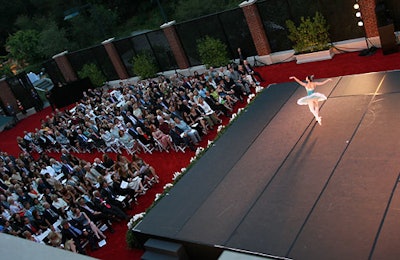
[276,183]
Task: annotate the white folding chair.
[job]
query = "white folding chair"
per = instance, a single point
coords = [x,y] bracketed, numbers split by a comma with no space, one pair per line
[114,145]
[147,148]
[129,147]
[181,147]
[159,146]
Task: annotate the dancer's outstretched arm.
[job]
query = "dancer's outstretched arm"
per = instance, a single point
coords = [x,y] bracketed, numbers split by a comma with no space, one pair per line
[298,81]
[322,82]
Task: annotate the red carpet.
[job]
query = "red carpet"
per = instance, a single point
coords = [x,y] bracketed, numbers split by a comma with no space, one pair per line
[168,163]
[340,65]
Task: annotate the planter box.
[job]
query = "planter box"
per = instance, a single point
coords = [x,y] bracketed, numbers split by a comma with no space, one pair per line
[314,56]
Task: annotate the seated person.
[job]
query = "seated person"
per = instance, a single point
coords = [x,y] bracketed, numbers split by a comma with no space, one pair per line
[187,130]
[145,170]
[163,139]
[109,209]
[86,223]
[93,213]
[179,137]
[209,114]
[196,120]
[126,139]
[215,105]
[71,232]
[144,137]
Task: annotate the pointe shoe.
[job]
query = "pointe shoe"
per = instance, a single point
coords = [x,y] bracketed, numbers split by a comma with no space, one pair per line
[319,120]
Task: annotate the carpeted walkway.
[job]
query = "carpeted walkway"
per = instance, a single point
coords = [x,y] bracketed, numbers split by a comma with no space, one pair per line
[168,163]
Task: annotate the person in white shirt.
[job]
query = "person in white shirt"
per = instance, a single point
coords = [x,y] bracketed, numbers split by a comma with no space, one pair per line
[47,169]
[209,114]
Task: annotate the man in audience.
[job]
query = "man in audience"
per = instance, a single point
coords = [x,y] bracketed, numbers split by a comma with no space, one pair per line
[70,231]
[187,130]
[111,210]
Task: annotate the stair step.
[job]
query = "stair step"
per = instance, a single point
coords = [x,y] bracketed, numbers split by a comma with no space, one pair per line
[165,248]
[149,255]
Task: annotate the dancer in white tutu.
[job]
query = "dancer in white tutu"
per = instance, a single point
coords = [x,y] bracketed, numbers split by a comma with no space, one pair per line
[312,97]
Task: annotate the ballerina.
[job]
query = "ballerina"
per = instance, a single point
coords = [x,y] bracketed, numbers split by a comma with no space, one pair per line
[312,97]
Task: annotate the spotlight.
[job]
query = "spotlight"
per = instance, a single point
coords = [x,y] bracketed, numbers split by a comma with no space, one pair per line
[369,50]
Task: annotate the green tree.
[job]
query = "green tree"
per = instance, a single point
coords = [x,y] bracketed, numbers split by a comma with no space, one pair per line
[23,46]
[5,70]
[93,24]
[9,11]
[92,72]
[52,40]
[212,52]
[310,35]
[189,9]
[144,65]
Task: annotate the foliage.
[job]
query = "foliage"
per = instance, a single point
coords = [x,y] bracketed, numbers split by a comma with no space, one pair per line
[144,65]
[131,240]
[5,70]
[190,9]
[92,72]
[22,46]
[52,40]
[93,25]
[96,21]
[212,52]
[311,34]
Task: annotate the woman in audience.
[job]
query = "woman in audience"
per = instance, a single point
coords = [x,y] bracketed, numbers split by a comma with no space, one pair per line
[86,223]
[107,161]
[163,139]
[131,177]
[38,205]
[40,222]
[196,120]
[16,224]
[126,139]
[145,170]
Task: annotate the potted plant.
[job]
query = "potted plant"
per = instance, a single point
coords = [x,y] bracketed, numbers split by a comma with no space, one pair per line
[213,52]
[144,65]
[310,38]
[92,72]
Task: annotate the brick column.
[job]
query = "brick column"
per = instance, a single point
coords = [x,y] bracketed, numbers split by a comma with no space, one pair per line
[175,44]
[115,59]
[367,8]
[65,67]
[256,27]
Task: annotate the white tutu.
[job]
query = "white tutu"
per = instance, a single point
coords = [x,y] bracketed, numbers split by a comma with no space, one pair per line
[314,96]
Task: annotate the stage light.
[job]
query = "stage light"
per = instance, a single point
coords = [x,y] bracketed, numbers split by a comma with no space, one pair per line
[369,50]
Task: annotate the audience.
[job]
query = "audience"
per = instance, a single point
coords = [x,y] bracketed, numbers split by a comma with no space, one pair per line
[64,202]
